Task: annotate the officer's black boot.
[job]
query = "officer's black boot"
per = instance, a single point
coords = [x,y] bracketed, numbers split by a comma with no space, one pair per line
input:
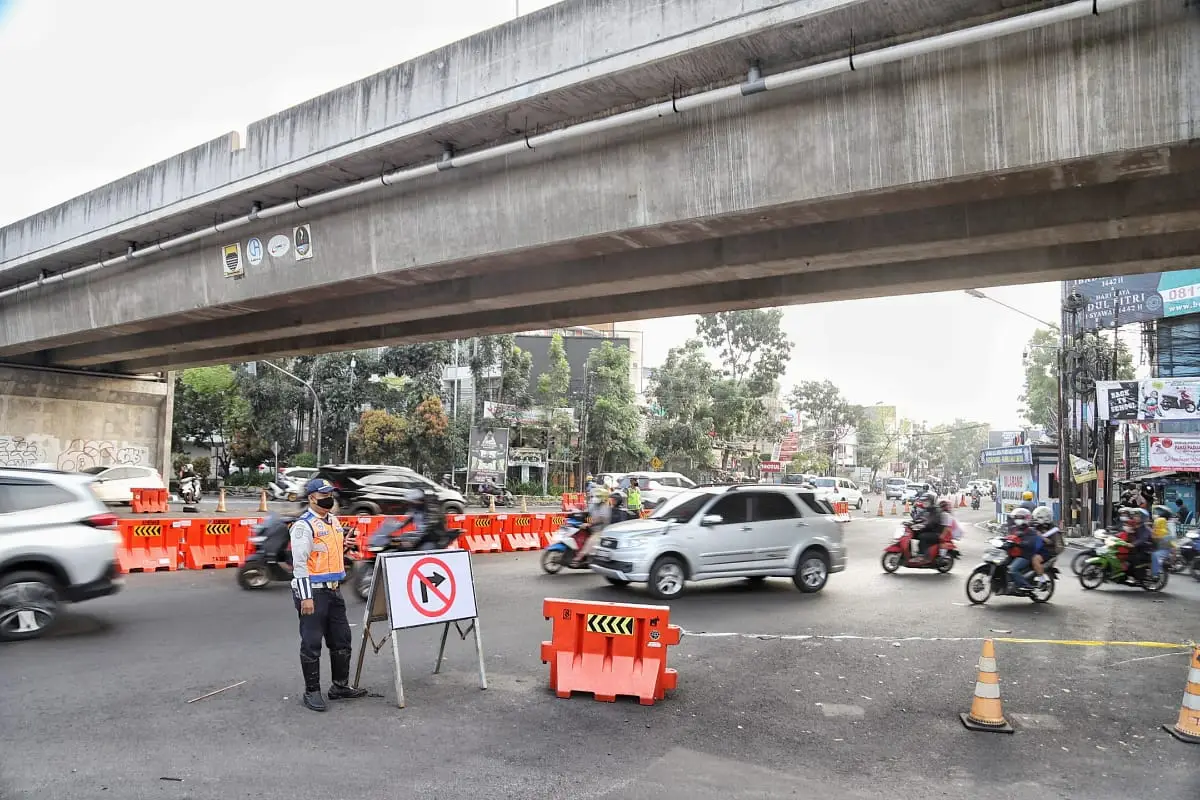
[339,662]
[312,684]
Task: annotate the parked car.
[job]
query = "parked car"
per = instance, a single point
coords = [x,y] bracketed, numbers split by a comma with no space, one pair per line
[658,486]
[376,489]
[744,531]
[58,543]
[838,490]
[893,488]
[115,484]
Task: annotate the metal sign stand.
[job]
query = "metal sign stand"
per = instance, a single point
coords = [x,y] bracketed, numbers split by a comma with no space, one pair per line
[378,610]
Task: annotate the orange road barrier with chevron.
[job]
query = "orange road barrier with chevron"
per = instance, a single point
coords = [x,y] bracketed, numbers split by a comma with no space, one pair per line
[212,544]
[148,546]
[1187,728]
[986,712]
[521,531]
[610,649]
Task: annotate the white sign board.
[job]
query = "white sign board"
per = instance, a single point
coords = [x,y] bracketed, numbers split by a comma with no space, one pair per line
[430,587]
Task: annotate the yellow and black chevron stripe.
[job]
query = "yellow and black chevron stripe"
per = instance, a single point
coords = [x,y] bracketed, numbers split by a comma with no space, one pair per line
[147,530]
[522,520]
[482,522]
[607,623]
[218,528]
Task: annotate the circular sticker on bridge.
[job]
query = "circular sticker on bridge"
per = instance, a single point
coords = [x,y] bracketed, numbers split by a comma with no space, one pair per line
[279,246]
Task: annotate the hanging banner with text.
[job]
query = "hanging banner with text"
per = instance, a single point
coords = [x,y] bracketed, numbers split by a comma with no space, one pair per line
[1168,453]
[1136,298]
[1149,400]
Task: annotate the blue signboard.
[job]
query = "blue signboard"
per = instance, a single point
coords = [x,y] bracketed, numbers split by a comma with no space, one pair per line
[996,456]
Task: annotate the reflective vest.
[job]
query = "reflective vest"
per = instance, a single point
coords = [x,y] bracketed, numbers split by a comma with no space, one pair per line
[634,501]
[325,560]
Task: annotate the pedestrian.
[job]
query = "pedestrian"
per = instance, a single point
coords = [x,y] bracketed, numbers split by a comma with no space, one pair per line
[317,574]
[1181,510]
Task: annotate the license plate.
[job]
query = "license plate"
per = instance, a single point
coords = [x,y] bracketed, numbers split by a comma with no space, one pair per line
[611,543]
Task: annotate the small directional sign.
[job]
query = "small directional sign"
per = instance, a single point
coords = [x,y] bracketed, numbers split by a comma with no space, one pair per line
[429,587]
[610,625]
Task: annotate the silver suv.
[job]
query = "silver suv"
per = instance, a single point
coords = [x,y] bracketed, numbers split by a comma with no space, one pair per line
[750,531]
[57,543]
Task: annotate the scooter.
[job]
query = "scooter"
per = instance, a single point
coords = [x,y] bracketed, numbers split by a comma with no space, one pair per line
[565,545]
[899,553]
[974,502]
[1110,565]
[1184,402]
[992,576]
[189,490]
[272,556]
[503,498]
[285,490]
[393,538]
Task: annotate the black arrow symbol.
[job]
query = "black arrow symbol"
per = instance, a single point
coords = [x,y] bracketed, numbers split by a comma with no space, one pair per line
[435,579]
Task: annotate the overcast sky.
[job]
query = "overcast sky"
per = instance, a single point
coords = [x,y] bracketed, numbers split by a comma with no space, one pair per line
[96,90]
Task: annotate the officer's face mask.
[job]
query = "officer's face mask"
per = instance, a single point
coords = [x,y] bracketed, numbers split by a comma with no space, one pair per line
[325,503]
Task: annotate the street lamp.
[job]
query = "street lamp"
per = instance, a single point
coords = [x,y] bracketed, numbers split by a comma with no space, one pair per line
[353,364]
[316,400]
[978,294]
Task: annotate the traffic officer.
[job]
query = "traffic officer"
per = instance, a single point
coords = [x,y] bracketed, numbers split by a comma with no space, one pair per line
[317,574]
[633,501]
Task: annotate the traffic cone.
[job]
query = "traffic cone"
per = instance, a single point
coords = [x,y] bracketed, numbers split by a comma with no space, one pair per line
[880,512]
[1187,729]
[906,508]
[491,504]
[986,713]
[221,502]
[962,501]
[262,500]
[895,511]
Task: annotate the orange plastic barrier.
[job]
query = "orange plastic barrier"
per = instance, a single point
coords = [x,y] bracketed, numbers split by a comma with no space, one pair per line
[148,546]
[572,500]
[610,649]
[553,523]
[521,531]
[841,511]
[482,534]
[149,501]
[215,543]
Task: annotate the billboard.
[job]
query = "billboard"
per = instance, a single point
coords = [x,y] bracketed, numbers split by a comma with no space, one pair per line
[1006,455]
[1149,400]
[1005,439]
[1168,453]
[1136,298]
[487,455]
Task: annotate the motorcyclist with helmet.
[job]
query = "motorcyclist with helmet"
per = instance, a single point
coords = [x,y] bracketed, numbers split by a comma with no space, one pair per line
[1031,543]
[1052,540]
[929,522]
[1137,534]
[1164,538]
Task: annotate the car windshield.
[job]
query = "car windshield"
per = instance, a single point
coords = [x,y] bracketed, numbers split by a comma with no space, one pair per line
[894,482]
[683,506]
[94,470]
[916,487]
[825,483]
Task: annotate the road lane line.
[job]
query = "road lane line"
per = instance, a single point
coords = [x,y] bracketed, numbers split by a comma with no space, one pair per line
[800,637]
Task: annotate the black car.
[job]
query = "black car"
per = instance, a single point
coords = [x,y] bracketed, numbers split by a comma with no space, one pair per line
[372,489]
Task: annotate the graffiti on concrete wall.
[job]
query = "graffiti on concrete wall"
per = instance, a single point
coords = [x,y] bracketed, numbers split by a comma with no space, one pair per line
[73,455]
[81,454]
[17,451]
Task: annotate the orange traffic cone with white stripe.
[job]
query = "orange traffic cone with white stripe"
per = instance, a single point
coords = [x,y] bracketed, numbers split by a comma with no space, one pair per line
[986,713]
[221,502]
[880,512]
[895,509]
[1187,729]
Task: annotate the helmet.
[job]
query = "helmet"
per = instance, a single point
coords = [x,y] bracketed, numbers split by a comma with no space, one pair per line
[945,505]
[1042,516]
[1027,496]
[927,500]
[1020,517]
[618,496]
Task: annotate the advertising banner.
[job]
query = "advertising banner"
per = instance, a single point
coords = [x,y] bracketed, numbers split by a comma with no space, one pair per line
[998,439]
[1153,399]
[487,455]
[526,457]
[1137,298]
[524,416]
[1006,455]
[1014,482]
[770,467]
[1168,453]
[1083,470]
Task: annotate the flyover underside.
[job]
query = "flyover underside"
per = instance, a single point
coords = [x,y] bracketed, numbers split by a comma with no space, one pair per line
[1125,213]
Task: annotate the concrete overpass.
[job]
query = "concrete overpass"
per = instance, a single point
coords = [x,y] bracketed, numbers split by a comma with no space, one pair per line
[667,157]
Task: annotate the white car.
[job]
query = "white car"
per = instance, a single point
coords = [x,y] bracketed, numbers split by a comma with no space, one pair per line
[915,490]
[115,484]
[838,490]
[658,486]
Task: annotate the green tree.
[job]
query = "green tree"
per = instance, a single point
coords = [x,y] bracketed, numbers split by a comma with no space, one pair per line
[380,438]
[810,462]
[829,416]
[1090,358]
[553,390]
[613,418]
[681,388]
[500,371]
[875,443]
[961,444]
[277,404]
[429,441]
[208,408]
[421,365]
[753,351]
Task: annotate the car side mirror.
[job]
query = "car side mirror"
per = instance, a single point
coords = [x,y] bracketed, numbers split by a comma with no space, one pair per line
[709,520]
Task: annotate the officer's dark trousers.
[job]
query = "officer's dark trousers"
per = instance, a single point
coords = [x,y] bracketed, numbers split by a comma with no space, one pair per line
[328,621]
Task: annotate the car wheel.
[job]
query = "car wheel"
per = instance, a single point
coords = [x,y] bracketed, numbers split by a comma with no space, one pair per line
[366,510]
[449,509]
[28,605]
[667,578]
[859,506]
[812,572]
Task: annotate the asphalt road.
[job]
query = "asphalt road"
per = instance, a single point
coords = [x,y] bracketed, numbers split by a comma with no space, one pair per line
[99,710]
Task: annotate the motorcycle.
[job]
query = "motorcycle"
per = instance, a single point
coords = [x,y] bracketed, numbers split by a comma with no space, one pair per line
[992,576]
[899,553]
[1109,566]
[285,490]
[974,502]
[189,490]
[392,538]
[565,544]
[271,559]
[503,498]
[1183,402]
[1081,559]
